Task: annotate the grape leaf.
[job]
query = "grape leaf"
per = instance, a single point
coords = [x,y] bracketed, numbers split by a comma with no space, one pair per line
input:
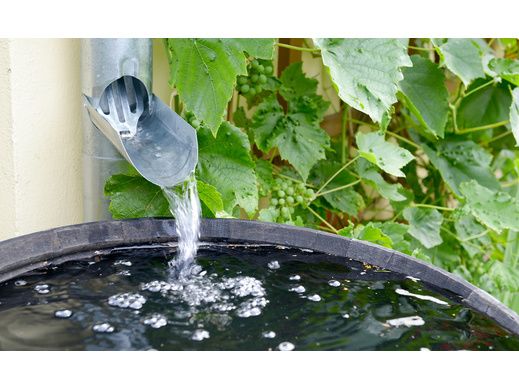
[365,71]
[386,155]
[507,69]
[424,225]
[269,214]
[463,57]
[210,197]
[369,174]
[424,93]
[204,72]
[514,115]
[368,232]
[375,235]
[485,106]
[301,93]
[299,140]
[264,174]
[225,163]
[495,209]
[470,234]
[397,233]
[461,160]
[132,196]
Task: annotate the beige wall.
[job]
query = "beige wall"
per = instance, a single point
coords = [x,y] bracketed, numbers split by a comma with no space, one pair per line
[40,132]
[40,135]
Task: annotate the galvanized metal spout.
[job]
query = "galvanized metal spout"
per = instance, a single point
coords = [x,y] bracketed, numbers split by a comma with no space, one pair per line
[137,126]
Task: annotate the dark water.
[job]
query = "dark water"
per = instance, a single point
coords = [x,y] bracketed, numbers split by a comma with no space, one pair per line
[242,300]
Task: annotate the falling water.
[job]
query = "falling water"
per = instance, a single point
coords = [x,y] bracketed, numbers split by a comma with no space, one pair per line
[185,206]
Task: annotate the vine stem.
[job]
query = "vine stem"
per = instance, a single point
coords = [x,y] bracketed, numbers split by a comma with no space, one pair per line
[291,47]
[323,220]
[421,48]
[338,188]
[478,88]
[403,139]
[343,134]
[336,174]
[434,207]
[497,137]
[485,127]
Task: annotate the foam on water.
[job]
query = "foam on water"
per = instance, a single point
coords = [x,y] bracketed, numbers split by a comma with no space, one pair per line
[185,207]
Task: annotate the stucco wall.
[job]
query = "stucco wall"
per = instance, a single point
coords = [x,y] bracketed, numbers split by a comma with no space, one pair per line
[40,135]
[40,132]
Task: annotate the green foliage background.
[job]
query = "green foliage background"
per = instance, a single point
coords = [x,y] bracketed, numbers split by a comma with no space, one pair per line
[425,160]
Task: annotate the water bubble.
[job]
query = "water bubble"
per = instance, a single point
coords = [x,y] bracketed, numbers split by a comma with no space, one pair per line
[20,283]
[298,289]
[42,288]
[63,313]
[269,334]
[273,265]
[200,335]
[314,297]
[251,307]
[127,300]
[286,346]
[103,328]
[156,320]
[295,277]
[334,283]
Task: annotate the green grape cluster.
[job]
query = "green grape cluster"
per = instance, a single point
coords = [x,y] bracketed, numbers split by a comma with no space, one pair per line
[287,195]
[254,83]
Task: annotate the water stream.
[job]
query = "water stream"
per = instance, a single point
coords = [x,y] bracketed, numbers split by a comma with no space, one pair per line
[185,207]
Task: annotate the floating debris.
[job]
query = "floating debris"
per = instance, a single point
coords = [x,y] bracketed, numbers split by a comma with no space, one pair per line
[274,265]
[286,346]
[346,315]
[413,278]
[156,320]
[334,283]
[200,335]
[295,277]
[404,292]
[20,283]
[269,334]
[409,321]
[103,328]
[63,313]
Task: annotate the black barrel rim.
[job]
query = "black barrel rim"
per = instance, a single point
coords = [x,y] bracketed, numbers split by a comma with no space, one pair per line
[33,251]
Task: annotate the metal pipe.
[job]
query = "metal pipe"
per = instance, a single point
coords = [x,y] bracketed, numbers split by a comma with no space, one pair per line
[102,62]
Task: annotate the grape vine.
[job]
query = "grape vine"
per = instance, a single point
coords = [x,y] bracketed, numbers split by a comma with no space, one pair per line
[407,143]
